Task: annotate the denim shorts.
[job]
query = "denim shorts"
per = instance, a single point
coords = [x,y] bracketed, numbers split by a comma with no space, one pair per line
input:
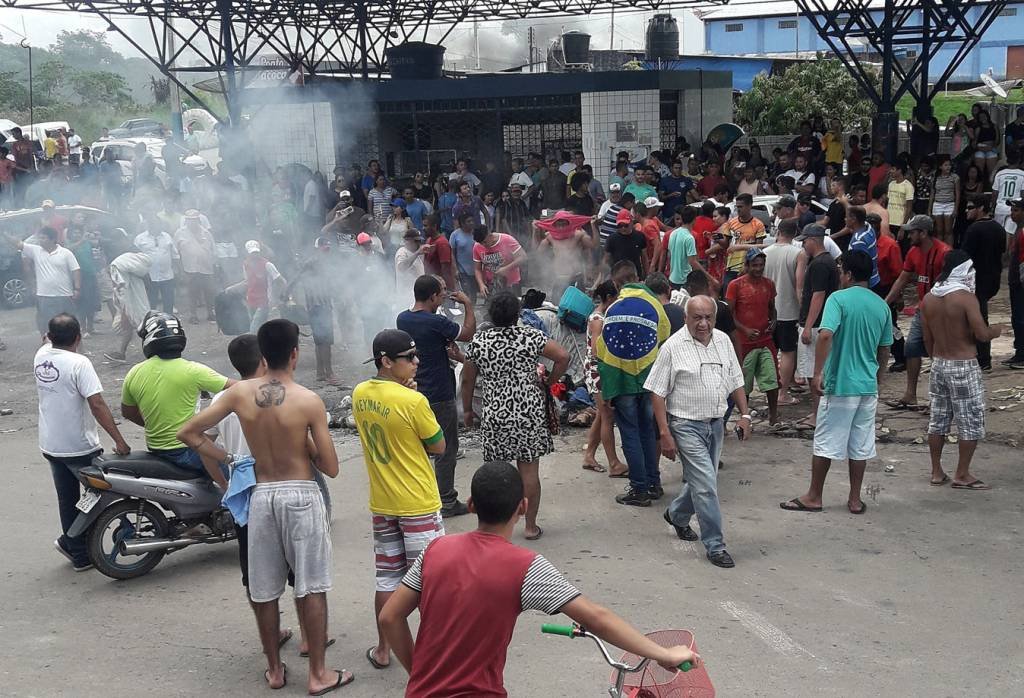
[914,348]
[846,427]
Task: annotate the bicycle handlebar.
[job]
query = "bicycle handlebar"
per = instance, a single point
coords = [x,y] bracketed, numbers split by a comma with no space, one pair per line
[574,631]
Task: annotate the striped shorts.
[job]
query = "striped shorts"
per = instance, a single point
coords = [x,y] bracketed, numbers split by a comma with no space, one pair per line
[398,541]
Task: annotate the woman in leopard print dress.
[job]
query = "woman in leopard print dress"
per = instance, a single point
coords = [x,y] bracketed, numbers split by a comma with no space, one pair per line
[513,423]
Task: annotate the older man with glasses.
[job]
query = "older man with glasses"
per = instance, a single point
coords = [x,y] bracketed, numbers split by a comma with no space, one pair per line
[690,383]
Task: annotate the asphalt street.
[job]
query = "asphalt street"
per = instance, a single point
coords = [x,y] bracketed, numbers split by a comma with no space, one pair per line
[918,597]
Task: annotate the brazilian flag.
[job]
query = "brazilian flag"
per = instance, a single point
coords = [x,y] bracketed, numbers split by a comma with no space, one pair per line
[635,326]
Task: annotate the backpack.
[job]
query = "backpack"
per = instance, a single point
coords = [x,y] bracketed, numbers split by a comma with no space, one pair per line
[574,309]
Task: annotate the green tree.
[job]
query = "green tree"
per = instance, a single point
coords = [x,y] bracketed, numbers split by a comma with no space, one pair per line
[776,104]
[102,87]
[86,48]
[13,92]
[49,78]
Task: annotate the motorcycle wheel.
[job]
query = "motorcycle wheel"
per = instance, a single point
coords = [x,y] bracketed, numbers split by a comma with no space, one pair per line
[128,518]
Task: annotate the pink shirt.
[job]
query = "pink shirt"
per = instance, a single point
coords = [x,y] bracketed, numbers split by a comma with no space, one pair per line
[503,252]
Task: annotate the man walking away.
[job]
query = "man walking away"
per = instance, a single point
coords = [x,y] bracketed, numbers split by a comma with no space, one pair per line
[985,241]
[470,589]
[780,267]
[70,404]
[953,323]
[923,264]
[693,377]
[852,349]
[288,527]
[398,431]
[435,336]
[635,326]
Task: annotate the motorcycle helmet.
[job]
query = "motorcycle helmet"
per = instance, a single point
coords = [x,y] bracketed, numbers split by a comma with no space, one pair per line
[162,335]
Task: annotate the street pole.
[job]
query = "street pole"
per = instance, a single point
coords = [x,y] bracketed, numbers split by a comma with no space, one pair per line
[177,127]
[31,105]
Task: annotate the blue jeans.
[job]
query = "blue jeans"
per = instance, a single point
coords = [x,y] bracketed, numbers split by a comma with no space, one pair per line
[699,445]
[182,457]
[65,481]
[257,316]
[634,415]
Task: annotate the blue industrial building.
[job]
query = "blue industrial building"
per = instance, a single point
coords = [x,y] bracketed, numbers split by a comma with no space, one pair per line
[777,29]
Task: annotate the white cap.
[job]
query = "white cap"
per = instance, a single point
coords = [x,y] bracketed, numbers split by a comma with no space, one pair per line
[345,194]
[652,202]
[614,186]
[252,246]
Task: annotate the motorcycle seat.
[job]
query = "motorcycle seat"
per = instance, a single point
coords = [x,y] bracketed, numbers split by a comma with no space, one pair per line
[144,464]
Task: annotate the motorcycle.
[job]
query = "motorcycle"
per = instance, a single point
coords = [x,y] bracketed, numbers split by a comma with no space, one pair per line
[138,508]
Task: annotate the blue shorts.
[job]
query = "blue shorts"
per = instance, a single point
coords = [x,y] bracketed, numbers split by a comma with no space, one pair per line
[845,427]
[181,457]
[914,348]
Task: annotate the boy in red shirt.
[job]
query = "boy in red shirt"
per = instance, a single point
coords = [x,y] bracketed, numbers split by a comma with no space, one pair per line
[471,587]
[752,300]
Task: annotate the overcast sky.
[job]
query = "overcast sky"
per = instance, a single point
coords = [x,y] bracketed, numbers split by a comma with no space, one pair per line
[501,44]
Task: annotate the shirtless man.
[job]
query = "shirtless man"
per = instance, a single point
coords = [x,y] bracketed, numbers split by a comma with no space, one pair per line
[570,249]
[287,517]
[952,323]
[877,206]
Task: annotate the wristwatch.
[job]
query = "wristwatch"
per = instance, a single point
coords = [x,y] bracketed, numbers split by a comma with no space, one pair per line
[745,416]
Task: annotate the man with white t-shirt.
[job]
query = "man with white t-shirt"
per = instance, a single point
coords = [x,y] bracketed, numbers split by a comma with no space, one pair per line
[57,274]
[159,245]
[74,147]
[1007,185]
[803,179]
[781,263]
[70,404]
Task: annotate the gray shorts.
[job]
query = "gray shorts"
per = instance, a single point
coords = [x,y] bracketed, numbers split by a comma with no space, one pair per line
[288,528]
[914,348]
[49,306]
[957,393]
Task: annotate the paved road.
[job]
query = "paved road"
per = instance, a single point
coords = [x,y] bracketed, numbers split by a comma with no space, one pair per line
[910,599]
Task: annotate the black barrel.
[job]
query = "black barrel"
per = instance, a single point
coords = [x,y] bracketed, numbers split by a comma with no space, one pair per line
[662,37]
[415,60]
[575,48]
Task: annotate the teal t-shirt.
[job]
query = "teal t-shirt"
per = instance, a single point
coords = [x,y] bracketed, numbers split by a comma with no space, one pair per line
[640,191]
[860,322]
[681,246]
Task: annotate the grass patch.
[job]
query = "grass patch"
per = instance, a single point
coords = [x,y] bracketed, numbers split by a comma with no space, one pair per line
[947,104]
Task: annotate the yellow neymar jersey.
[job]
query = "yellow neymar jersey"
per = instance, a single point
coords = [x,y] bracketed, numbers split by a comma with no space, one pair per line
[394,424]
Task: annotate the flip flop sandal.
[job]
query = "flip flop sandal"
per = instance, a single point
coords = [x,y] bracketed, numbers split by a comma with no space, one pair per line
[266,677]
[373,660]
[285,638]
[796,505]
[540,532]
[903,405]
[863,508]
[596,467]
[940,483]
[329,643]
[344,679]
[623,474]
[976,485]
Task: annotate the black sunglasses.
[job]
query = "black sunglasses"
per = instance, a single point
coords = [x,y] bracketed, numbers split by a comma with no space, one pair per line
[970,207]
[410,356]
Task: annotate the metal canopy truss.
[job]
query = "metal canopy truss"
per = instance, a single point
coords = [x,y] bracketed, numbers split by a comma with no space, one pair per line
[928,25]
[311,37]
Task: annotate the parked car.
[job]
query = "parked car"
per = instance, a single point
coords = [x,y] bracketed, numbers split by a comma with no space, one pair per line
[138,127]
[124,153]
[14,288]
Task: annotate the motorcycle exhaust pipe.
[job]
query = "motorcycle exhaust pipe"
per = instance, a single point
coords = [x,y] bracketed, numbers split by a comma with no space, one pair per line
[152,545]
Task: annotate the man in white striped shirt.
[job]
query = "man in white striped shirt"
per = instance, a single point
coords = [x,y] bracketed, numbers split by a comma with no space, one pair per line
[690,383]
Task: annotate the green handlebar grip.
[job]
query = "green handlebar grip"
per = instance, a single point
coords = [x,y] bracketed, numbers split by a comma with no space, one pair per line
[552,629]
[686,666]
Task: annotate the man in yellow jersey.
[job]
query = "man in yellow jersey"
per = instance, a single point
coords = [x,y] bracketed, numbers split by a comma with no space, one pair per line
[397,430]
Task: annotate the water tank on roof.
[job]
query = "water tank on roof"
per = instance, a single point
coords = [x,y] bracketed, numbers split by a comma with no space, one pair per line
[415,60]
[576,48]
[662,38]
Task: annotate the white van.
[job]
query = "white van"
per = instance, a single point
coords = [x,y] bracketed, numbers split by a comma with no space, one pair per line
[37,132]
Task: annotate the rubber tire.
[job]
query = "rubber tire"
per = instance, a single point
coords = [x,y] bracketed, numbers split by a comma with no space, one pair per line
[95,544]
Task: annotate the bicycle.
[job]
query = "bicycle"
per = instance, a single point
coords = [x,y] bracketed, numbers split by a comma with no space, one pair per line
[653,681]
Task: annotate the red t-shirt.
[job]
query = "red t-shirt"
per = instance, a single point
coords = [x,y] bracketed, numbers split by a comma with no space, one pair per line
[651,229]
[6,171]
[876,176]
[927,266]
[500,254]
[702,227]
[440,255]
[890,260]
[707,185]
[751,299]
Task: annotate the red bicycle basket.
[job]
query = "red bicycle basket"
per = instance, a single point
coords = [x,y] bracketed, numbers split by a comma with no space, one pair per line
[655,682]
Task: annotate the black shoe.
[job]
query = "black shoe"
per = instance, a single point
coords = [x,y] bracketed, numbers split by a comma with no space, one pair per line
[1016,358]
[656,492]
[456,509]
[682,532]
[634,498]
[987,368]
[1016,365]
[898,368]
[721,559]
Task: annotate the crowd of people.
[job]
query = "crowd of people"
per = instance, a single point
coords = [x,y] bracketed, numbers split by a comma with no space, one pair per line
[710,276]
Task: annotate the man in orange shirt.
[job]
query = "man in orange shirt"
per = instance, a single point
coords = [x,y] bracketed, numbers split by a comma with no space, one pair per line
[752,300]
[651,226]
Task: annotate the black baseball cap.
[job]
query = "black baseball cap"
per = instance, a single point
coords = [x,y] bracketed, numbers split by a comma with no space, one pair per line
[1016,203]
[811,230]
[785,201]
[391,343]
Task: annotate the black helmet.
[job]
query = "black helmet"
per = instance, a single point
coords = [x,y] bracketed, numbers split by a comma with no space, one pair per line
[161,334]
